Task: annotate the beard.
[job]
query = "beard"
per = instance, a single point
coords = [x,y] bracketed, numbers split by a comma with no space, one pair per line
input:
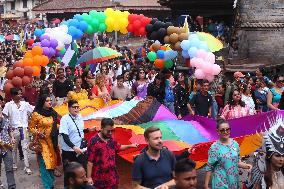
[80,186]
[156,147]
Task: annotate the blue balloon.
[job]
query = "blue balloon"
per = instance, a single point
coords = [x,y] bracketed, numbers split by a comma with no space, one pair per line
[203,45]
[83,26]
[192,52]
[185,44]
[194,42]
[73,22]
[193,36]
[64,23]
[185,54]
[160,54]
[38,32]
[78,17]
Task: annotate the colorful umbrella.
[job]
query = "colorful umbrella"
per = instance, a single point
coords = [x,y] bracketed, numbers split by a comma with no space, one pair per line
[96,55]
[2,38]
[213,43]
[9,37]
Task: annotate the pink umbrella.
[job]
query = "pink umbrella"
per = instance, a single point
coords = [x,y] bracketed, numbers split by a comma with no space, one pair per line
[56,21]
[9,37]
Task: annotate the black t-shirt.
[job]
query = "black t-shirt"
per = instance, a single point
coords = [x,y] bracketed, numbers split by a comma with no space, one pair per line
[202,104]
[61,89]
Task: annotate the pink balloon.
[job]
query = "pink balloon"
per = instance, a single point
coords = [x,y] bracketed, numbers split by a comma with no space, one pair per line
[199,74]
[209,77]
[216,69]
[201,54]
[210,58]
[193,62]
[207,67]
[199,62]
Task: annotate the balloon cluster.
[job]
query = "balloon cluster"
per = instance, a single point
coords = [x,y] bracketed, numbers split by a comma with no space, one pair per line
[61,34]
[18,77]
[137,24]
[116,20]
[200,58]
[35,59]
[161,56]
[157,30]
[175,36]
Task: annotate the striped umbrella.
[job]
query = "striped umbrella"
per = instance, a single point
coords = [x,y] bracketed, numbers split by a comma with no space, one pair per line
[96,55]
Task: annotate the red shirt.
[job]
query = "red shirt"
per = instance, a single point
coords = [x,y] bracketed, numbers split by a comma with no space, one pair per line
[102,155]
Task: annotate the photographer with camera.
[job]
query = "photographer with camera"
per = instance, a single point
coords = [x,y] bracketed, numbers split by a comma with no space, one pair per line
[72,131]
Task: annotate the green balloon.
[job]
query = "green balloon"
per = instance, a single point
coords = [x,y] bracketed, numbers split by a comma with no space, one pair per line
[169,63]
[152,56]
[62,51]
[95,24]
[102,27]
[93,13]
[101,17]
[90,29]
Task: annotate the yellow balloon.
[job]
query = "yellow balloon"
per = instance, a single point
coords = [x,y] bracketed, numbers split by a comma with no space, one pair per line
[109,11]
[124,31]
[123,22]
[109,22]
[109,29]
[125,14]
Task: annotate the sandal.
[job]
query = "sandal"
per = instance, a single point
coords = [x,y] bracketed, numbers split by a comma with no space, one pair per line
[57,172]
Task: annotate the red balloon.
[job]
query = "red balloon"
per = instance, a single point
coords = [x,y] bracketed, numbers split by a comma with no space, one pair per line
[7,87]
[18,71]
[137,24]
[17,64]
[142,31]
[17,81]
[9,74]
[30,42]
[26,80]
[28,70]
[159,63]
[130,28]
[145,21]
[132,18]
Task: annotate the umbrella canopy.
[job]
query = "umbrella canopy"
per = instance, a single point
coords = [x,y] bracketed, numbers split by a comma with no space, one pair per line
[96,55]
[213,43]
[9,37]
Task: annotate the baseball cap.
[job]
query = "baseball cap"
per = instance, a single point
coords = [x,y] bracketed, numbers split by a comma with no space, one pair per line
[238,74]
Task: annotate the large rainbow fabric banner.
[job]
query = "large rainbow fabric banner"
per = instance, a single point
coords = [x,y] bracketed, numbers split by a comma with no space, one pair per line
[193,132]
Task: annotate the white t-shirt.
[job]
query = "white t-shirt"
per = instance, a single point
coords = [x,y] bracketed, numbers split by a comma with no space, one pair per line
[68,127]
[18,117]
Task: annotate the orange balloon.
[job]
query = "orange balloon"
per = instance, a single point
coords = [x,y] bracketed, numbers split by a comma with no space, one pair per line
[28,55]
[26,80]
[159,63]
[37,60]
[37,50]
[163,48]
[36,70]
[10,74]
[28,62]
[17,64]
[45,60]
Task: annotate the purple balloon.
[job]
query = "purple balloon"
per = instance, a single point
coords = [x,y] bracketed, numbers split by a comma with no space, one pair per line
[43,37]
[45,43]
[46,51]
[51,52]
[36,44]
[53,43]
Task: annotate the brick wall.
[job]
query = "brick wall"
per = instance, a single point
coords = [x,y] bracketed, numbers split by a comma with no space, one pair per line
[259,43]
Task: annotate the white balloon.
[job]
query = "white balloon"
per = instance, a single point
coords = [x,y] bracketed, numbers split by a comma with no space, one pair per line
[63,28]
[60,45]
[67,39]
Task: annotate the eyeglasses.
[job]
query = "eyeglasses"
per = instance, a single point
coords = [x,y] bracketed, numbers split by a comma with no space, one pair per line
[225,130]
[75,107]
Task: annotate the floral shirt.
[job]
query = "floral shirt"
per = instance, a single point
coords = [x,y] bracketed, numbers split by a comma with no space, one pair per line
[234,112]
[102,155]
[223,163]
[5,139]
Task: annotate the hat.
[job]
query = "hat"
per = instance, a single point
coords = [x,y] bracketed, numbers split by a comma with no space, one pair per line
[238,74]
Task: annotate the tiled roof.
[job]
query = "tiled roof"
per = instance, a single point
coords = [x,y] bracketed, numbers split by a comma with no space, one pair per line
[55,6]
[73,5]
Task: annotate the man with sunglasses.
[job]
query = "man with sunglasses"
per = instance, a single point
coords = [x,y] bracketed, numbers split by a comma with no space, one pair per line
[72,131]
[101,170]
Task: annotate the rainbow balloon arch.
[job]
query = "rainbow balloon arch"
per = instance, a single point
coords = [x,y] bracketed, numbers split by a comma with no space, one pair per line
[199,47]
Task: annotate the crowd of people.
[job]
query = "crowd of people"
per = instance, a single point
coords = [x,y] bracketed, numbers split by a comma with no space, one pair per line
[29,112]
